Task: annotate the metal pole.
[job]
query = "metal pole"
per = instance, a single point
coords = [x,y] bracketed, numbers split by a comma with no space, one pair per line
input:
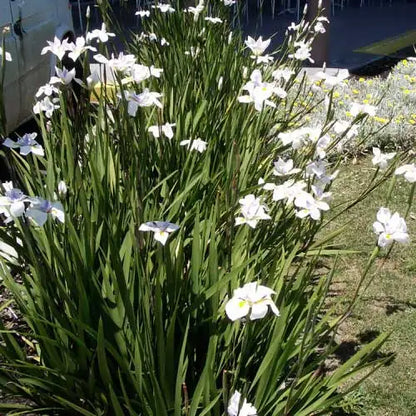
[81,24]
[320,47]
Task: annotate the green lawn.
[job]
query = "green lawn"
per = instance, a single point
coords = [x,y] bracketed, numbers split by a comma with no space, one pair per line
[390,302]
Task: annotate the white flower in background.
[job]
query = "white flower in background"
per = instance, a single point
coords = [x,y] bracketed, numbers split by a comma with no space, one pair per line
[64,76]
[390,228]
[294,27]
[229,2]
[264,59]
[62,189]
[47,106]
[289,190]
[213,19]
[319,28]
[142,13]
[194,52]
[282,73]
[320,194]
[78,48]
[122,63]
[12,204]
[409,172]
[7,55]
[140,72]
[164,42]
[235,409]
[57,48]
[341,126]
[333,80]
[303,52]
[220,82]
[166,129]
[196,11]
[144,99]
[27,144]
[318,170]
[321,145]
[322,19]
[381,159]
[257,46]
[252,211]
[253,299]
[297,138]
[40,208]
[309,206]
[197,144]
[357,109]
[47,90]
[100,34]
[161,229]
[259,92]
[284,168]
[164,8]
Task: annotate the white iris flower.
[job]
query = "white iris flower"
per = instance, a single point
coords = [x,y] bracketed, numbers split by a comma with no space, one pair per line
[12,204]
[57,48]
[381,159]
[100,34]
[27,144]
[213,19]
[78,48]
[161,229]
[197,144]
[257,46]
[40,208]
[409,172]
[390,228]
[166,129]
[64,76]
[235,408]
[357,109]
[145,99]
[284,168]
[164,8]
[252,211]
[142,13]
[252,299]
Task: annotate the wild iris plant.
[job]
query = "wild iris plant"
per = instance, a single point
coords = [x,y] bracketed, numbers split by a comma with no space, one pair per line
[168,279]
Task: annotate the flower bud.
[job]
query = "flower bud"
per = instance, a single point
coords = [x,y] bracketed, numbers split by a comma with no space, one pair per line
[62,189]
[88,12]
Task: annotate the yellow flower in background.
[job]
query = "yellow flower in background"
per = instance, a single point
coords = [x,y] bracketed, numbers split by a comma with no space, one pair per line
[381,119]
[366,101]
[355,91]
[361,79]
[336,94]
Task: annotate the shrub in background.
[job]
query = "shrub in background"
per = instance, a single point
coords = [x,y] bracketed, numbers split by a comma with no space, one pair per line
[394,95]
[166,243]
